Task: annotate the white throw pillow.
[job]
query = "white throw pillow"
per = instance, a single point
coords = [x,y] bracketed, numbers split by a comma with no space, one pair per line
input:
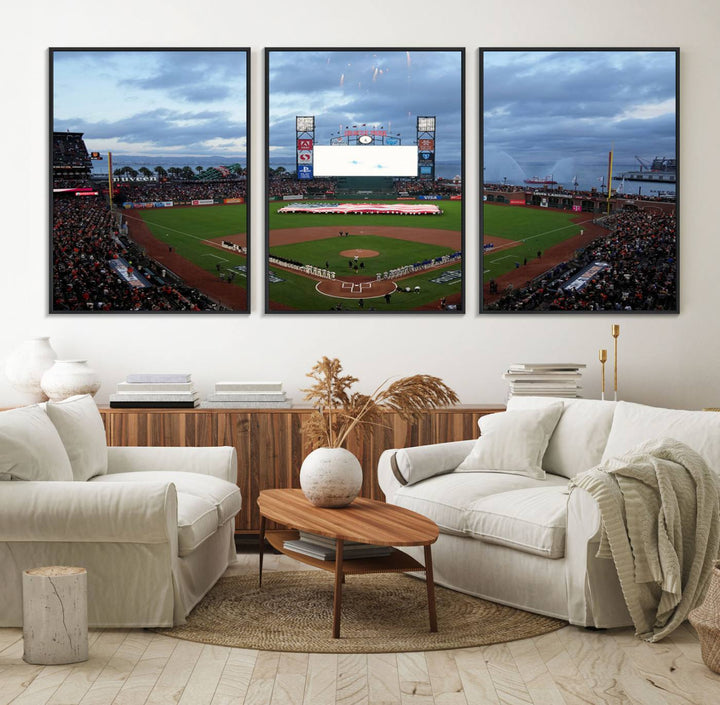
[634,424]
[80,426]
[513,442]
[579,439]
[30,447]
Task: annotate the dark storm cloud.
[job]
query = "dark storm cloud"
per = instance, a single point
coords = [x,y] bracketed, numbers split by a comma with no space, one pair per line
[387,88]
[549,106]
[162,128]
[195,76]
[172,100]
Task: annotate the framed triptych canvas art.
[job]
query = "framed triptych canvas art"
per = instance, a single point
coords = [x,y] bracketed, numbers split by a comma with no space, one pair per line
[365,192]
[149,180]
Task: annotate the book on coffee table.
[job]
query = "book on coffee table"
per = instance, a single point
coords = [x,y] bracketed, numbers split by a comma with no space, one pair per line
[327,553]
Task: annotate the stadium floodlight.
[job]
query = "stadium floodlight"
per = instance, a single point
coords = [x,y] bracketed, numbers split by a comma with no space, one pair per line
[304,123]
[426,124]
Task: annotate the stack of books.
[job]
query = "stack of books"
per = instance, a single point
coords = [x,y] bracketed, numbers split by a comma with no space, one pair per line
[544,379]
[156,391]
[323,548]
[247,395]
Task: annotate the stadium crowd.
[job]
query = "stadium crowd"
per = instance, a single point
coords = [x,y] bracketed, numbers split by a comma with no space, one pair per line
[85,239]
[422,187]
[290,186]
[183,191]
[641,273]
[558,190]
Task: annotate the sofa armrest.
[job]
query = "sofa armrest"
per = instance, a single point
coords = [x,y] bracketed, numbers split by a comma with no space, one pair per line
[219,461]
[88,512]
[406,466]
[583,519]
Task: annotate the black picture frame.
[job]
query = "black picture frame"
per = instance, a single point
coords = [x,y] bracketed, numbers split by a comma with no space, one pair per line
[159,237]
[579,114]
[360,261]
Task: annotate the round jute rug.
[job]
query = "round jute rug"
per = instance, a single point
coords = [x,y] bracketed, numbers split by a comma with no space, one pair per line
[380,613]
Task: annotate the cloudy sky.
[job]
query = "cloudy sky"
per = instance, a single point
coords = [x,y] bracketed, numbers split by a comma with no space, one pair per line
[568,109]
[387,88]
[160,103]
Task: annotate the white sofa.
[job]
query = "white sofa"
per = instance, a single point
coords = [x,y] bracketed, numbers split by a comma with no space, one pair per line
[154,527]
[524,539]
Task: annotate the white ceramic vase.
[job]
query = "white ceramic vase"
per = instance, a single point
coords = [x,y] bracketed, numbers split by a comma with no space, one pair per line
[25,367]
[66,378]
[331,477]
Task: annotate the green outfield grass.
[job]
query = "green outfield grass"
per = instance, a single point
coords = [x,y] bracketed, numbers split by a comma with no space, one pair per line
[184,229]
[451,219]
[532,228]
[299,292]
[393,253]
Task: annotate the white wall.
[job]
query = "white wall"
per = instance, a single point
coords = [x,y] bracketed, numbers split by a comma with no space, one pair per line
[668,360]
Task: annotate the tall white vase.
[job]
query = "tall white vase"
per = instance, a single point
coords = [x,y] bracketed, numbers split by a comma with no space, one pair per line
[25,366]
[331,477]
[67,378]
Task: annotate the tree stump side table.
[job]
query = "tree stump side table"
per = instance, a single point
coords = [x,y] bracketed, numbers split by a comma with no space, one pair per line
[55,624]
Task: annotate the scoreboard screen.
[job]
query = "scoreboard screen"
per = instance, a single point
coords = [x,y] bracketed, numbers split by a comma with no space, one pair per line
[336,160]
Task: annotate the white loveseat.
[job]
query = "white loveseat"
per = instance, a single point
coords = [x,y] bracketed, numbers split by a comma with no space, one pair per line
[524,539]
[154,527]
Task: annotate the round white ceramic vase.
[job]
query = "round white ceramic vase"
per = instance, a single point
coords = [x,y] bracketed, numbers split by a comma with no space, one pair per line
[25,367]
[66,378]
[331,477]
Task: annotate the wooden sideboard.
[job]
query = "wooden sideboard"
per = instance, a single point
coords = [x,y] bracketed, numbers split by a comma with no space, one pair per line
[270,443]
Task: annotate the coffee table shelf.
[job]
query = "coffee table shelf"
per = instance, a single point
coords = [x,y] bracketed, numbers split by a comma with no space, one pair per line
[396,562]
[363,520]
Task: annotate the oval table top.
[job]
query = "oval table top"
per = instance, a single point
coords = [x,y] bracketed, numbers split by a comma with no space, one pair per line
[364,520]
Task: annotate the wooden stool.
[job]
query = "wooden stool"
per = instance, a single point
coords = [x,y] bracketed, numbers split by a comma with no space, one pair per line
[55,625]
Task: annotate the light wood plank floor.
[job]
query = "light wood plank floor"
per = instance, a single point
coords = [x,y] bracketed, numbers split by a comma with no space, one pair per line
[568,667]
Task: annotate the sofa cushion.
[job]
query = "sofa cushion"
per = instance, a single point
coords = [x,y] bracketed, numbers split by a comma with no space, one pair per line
[446,499]
[197,521]
[30,447]
[223,495]
[411,465]
[532,520]
[580,437]
[81,429]
[634,424]
[513,442]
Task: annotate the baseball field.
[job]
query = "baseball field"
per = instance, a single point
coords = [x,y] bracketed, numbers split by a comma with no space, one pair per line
[188,241]
[358,248]
[518,233]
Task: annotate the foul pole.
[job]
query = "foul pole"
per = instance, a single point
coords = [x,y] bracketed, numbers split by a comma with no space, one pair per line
[110,183]
[609,193]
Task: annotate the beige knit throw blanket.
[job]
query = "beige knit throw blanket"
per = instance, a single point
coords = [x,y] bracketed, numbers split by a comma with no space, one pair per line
[660,524]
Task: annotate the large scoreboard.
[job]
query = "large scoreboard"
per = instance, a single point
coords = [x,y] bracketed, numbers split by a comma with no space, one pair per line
[364,151]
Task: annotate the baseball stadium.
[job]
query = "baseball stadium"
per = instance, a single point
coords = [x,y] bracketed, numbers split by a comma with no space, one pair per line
[364,214]
[352,241]
[172,241]
[550,249]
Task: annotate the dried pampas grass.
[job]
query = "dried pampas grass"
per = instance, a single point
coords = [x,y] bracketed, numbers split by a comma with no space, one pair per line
[338,410]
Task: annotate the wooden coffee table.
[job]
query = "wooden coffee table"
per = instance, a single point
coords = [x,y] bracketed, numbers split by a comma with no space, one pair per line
[365,520]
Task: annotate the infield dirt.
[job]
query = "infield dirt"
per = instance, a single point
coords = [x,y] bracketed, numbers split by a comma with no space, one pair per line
[234,297]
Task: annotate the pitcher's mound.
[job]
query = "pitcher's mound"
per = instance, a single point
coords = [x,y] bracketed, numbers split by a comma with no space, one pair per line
[360,253]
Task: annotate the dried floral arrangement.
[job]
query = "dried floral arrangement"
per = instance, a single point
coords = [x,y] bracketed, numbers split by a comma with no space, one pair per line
[338,410]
